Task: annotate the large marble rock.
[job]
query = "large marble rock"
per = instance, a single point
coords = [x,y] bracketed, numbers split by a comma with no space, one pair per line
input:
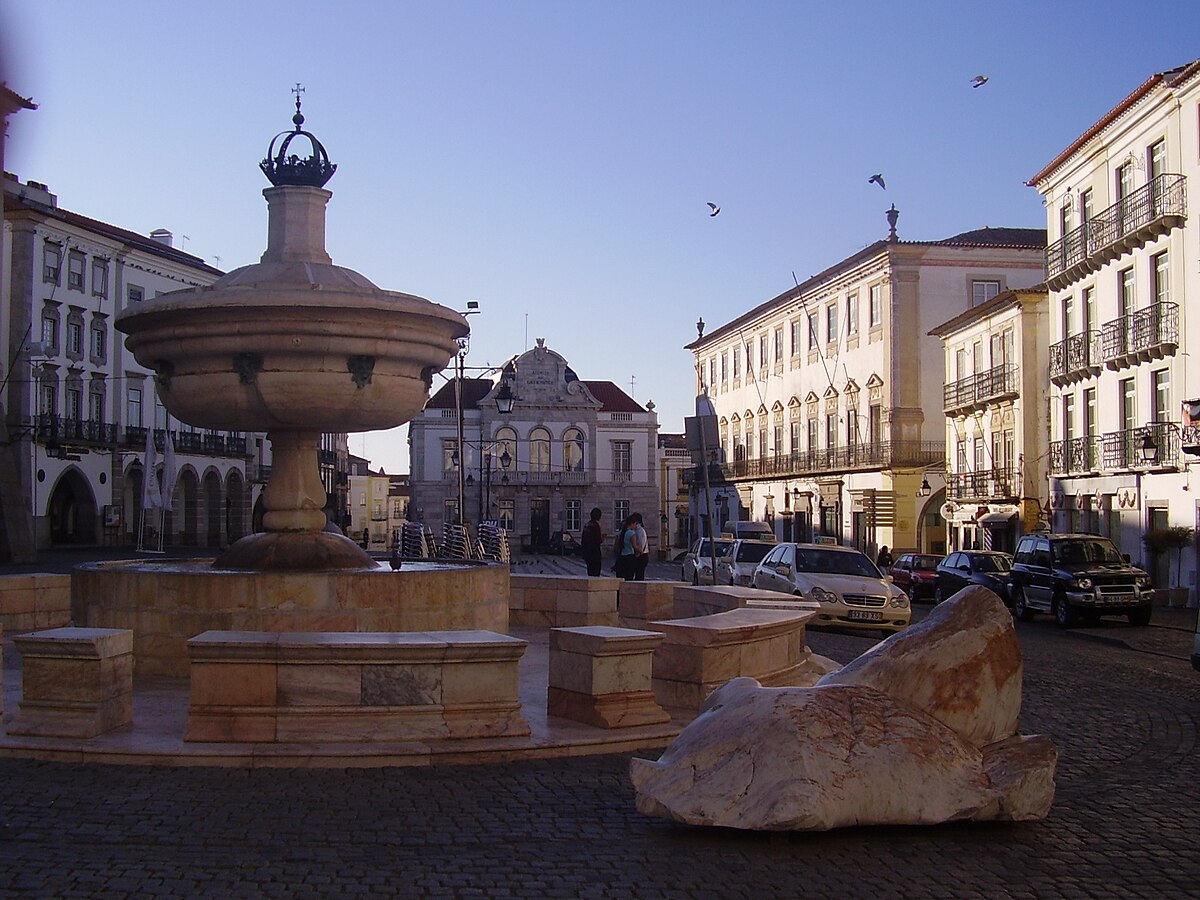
[818,758]
[919,730]
[961,664]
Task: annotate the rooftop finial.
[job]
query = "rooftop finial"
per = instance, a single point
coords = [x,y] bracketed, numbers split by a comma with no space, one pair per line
[298,118]
[893,216]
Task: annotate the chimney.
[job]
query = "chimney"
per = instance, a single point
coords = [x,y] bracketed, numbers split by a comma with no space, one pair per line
[163,236]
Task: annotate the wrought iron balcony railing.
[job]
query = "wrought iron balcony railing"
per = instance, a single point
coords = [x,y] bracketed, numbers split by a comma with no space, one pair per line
[847,458]
[1189,439]
[1147,334]
[1155,445]
[989,484]
[996,383]
[1074,455]
[64,430]
[1075,358]
[1131,222]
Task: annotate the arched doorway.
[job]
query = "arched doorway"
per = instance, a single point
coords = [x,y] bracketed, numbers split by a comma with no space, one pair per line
[235,506]
[72,510]
[131,499]
[214,510]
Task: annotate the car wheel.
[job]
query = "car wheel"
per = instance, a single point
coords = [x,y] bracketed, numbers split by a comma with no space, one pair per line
[911,591]
[1064,616]
[937,595]
[1140,616]
[1019,607]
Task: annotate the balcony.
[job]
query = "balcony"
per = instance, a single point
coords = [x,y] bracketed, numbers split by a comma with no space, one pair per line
[978,390]
[1131,222]
[1076,358]
[1125,449]
[814,463]
[990,484]
[1074,456]
[62,430]
[1150,333]
[1189,439]
[189,442]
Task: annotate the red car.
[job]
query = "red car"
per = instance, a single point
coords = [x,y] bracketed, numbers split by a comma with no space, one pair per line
[916,573]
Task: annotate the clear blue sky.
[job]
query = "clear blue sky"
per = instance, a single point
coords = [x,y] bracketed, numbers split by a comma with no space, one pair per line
[552,160]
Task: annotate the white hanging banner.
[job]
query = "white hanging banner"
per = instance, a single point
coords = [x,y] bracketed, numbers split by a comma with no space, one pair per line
[151,496]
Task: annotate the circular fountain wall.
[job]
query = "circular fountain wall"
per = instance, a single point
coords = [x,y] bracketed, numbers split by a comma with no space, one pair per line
[167,602]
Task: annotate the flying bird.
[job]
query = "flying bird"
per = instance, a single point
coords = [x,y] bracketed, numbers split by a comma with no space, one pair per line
[877,178]
[979,81]
[715,209]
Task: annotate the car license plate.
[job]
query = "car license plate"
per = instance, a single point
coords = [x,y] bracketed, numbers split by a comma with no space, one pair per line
[864,615]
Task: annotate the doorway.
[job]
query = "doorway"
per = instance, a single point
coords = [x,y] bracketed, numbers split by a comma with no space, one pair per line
[539,522]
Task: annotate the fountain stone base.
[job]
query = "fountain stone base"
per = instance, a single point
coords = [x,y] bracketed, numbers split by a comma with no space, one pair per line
[297,551]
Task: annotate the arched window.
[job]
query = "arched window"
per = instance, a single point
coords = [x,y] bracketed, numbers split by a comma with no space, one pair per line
[573,450]
[539,450]
[506,442]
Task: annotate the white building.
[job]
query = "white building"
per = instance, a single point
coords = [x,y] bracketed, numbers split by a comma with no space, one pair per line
[1120,267]
[829,396]
[78,405]
[369,507]
[996,429]
[567,445]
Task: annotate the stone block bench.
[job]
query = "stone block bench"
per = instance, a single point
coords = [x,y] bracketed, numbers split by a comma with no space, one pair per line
[353,686]
[34,601]
[640,602]
[700,654]
[602,676]
[75,682]
[562,601]
[705,600]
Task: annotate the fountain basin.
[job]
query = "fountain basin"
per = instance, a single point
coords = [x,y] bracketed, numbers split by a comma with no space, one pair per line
[165,602]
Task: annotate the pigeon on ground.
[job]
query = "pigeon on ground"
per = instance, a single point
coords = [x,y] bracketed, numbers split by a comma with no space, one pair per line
[877,178]
[979,81]
[715,209]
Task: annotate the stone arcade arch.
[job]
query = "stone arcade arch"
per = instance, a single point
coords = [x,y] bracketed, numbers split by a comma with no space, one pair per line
[213,510]
[189,509]
[71,510]
[235,506]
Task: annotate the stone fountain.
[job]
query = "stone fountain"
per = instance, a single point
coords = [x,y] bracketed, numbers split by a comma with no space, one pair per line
[295,346]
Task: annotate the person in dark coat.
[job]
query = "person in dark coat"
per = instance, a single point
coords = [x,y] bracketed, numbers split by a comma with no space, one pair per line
[591,543]
[884,559]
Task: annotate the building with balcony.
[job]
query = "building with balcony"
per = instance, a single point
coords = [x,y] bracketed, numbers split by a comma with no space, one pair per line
[78,406]
[567,445]
[830,396]
[995,381]
[370,509]
[1119,268]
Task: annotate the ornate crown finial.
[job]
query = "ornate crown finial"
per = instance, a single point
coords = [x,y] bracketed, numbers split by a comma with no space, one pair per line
[282,169]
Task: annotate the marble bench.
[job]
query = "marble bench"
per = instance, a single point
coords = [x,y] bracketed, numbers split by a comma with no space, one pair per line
[75,682]
[640,602]
[700,654]
[353,686]
[705,600]
[562,601]
[602,676]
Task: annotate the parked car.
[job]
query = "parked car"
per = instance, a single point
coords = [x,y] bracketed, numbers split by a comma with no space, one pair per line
[852,592]
[697,564]
[1074,576]
[738,565]
[988,568]
[915,573]
[563,543]
[755,531]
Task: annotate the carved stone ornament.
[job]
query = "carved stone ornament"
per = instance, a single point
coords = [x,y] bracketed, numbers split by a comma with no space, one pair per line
[360,368]
[247,366]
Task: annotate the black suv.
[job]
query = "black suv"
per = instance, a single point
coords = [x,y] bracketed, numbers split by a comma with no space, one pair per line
[1074,576]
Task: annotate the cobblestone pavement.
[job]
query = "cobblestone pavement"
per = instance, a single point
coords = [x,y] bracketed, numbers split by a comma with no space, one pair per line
[1124,822]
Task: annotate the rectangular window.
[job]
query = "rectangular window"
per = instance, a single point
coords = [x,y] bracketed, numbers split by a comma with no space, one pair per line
[778,440]
[51,263]
[762,350]
[133,407]
[1128,401]
[980,454]
[983,290]
[75,271]
[1156,156]
[831,430]
[831,323]
[571,521]
[1089,309]
[1068,416]
[796,337]
[778,345]
[852,314]
[1123,182]
[620,513]
[813,334]
[75,339]
[135,294]
[960,455]
[812,436]
[449,511]
[100,278]
[737,362]
[49,334]
[875,423]
[1125,292]
[1085,205]
[876,305]
[99,340]
[1068,316]
[449,455]
[1160,385]
[1089,413]
[506,510]
[74,404]
[160,414]
[49,402]
[96,406]
[1161,272]
[622,456]
[712,372]
[724,368]
[762,443]
[796,436]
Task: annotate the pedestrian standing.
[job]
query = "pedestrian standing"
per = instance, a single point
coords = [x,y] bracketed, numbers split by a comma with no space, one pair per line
[591,543]
[640,546]
[884,560]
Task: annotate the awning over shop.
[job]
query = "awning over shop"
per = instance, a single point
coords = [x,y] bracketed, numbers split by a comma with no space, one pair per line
[996,519]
